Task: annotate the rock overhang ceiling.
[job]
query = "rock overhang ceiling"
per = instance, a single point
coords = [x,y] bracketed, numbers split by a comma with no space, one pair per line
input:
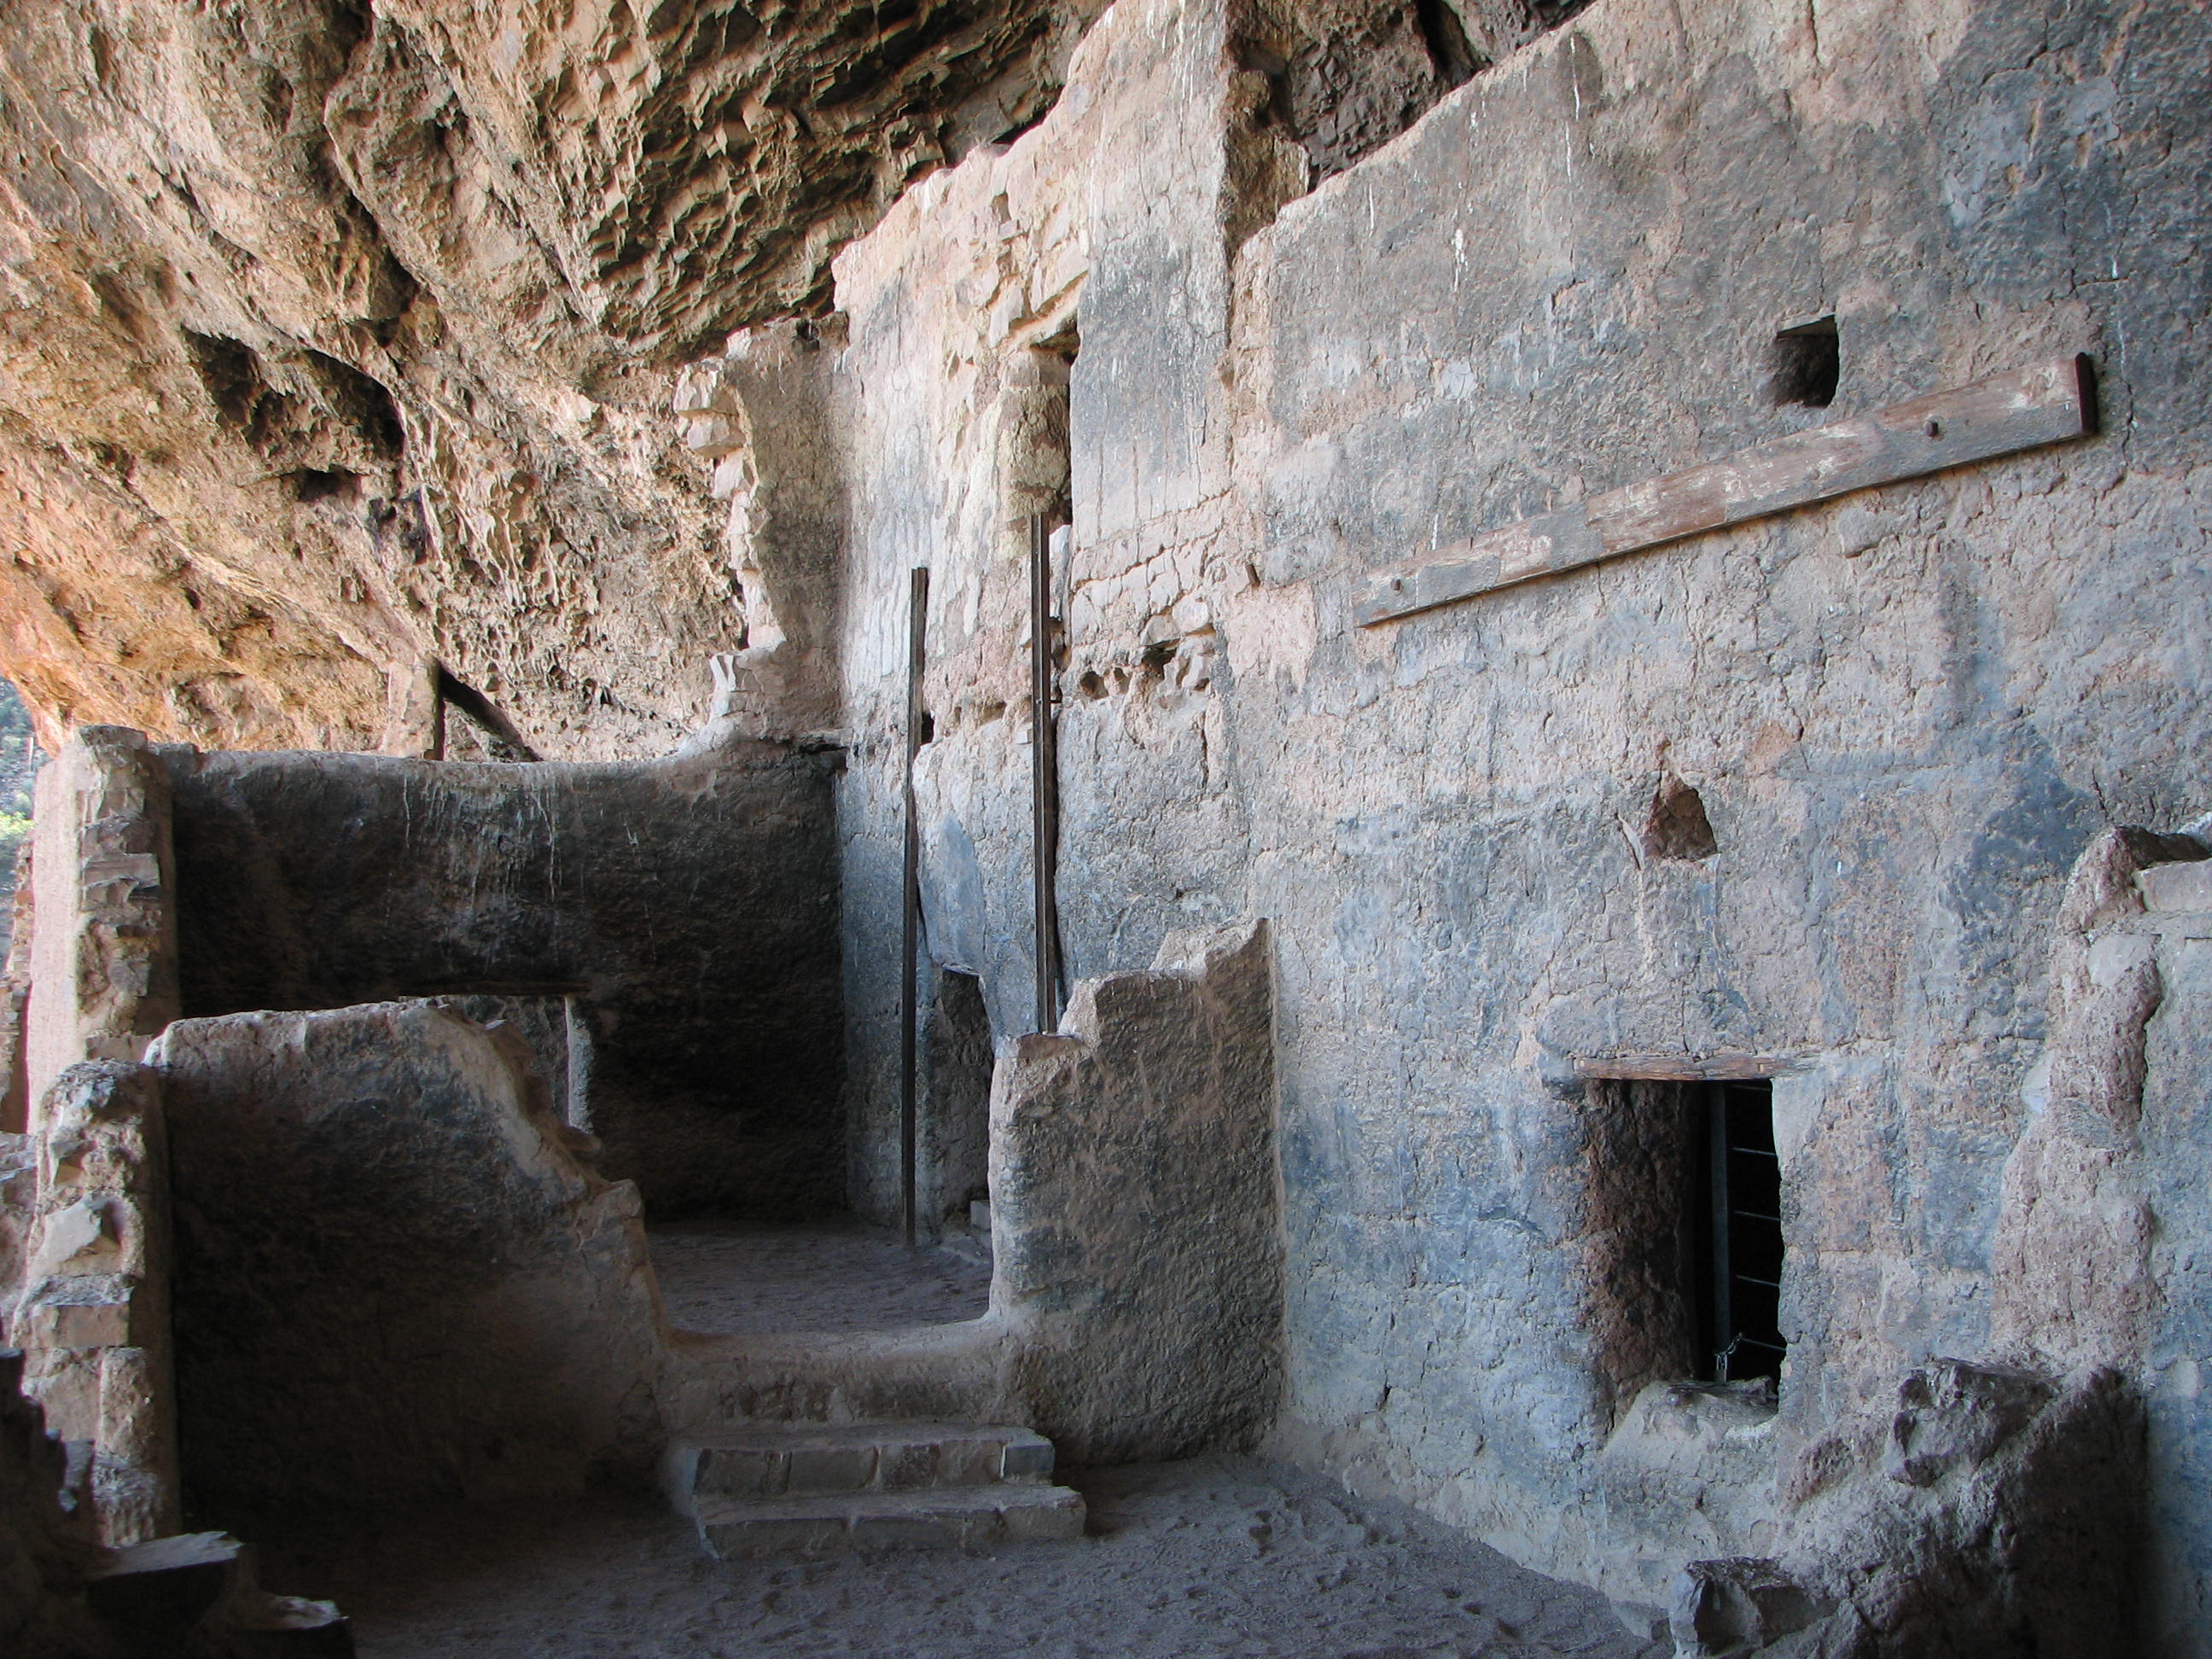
[338,337]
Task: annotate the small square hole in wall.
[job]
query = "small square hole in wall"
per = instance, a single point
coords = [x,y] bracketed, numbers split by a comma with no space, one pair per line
[1808,362]
[1685,1244]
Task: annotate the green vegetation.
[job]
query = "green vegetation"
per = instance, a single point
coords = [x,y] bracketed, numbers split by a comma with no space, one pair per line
[20,760]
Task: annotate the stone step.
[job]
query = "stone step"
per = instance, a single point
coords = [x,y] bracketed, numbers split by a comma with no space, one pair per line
[804,1460]
[944,1517]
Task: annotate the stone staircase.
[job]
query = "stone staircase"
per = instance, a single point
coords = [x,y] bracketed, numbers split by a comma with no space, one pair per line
[812,1488]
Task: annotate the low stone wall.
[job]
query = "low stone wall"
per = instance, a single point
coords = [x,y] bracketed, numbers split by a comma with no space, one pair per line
[399,1277]
[1989,1509]
[1132,1197]
[1136,1311]
[688,909]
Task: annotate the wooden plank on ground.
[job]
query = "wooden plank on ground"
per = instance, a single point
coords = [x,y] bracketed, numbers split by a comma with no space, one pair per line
[2004,414]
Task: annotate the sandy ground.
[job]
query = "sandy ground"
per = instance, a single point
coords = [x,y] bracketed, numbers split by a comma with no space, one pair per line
[727,1277]
[1214,1556]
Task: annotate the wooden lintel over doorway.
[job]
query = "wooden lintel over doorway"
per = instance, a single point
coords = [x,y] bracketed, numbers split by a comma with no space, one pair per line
[1684,1067]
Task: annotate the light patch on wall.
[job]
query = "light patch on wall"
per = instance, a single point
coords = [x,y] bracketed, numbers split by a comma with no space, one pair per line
[1271,630]
[1800,1093]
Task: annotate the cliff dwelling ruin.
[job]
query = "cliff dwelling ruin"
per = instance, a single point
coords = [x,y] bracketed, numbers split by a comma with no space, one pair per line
[1339,829]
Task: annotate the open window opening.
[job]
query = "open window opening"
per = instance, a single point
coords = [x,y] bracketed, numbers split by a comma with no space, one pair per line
[1807,365]
[1684,1241]
[482,733]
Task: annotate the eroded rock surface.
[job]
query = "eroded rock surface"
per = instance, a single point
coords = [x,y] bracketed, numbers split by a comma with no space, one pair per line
[338,337]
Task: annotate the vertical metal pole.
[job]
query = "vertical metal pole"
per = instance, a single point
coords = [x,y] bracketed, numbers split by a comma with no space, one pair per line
[917,624]
[1044,776]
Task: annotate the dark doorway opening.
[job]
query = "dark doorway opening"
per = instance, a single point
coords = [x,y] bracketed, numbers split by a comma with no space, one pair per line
[1683,1241]
[956,1104]
[841,1274]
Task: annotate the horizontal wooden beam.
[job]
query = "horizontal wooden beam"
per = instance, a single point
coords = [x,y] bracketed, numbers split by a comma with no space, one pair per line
[1682,1068]
[2007,413]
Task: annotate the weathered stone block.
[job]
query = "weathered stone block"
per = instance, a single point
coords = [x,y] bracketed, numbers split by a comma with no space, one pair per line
[740,1472]
[713,437]
[79,1237]
[830,1468]
[2182,886]
[1953,1415]
[1736,1607]
[1027,1459]
[91,1312]
[916,1464]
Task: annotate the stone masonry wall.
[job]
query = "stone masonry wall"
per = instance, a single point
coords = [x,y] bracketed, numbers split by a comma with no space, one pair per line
[960,316]
[1905,715]
[1136,1307]
[687,907]
[93,1319]
[102,954]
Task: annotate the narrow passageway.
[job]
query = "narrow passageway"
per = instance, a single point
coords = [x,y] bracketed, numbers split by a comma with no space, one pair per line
[836,1276]
[1219,1555]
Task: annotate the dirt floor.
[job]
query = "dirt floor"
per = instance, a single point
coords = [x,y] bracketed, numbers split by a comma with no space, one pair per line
[731,1279]
[1215,1556]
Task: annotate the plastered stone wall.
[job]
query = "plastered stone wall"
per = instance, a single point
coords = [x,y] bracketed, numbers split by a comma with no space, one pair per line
[1133,1161]
[2099,1255]
[1905,715]
[961,416]
[687,908]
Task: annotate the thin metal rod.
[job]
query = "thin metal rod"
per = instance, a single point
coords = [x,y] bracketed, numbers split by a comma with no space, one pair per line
[1044,777]
[917,625]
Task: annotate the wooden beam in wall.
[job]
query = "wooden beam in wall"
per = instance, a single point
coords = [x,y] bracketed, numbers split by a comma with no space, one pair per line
[1683,1068]
[2026,409]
